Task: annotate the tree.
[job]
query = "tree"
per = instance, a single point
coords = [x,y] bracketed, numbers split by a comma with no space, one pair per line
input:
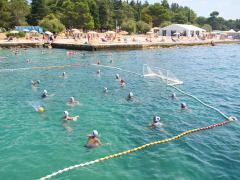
[142,27]
[129,26]
[201,20]
[207,27]
[94,10]
[105,15]
[165,4]
[51,23]
[19,11]
[5,14]
[83,19]
[159,14]
[38,11]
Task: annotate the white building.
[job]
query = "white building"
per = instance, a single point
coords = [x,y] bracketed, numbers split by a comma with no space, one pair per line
[181,29]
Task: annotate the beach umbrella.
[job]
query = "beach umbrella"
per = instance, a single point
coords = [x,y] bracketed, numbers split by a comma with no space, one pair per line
[14,32]
[76,31]
[123,32]
[34,31]
[231,31]
[91,32]
[110,32]
[150,32]
[48,33]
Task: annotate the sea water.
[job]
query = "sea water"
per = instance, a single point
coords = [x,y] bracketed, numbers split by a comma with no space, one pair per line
[34,144]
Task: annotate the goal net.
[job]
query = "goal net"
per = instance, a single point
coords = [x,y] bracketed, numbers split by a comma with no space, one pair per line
[166,75]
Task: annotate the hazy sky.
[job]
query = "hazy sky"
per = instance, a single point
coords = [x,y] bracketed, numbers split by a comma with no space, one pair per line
[229,9]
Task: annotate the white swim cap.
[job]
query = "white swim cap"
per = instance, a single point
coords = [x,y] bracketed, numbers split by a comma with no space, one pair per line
[130,94]
[72,98]
[45,91]
[105,89]
[156,119]
[95,133]
[66,113]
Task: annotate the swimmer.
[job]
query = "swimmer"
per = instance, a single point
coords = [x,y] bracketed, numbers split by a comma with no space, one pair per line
[117,76]
[105,90]
[98,72]
[173,96]
[35,83]
[93,140]
[28,61]
[122,83]
[72,102]
[111,61]
[156,123]
[130,96]
[68,118]
[98,62]
[45,94]
[64,74]
[184,106]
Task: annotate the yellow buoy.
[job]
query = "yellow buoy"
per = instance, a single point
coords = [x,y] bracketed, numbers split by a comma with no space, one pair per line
[40,110]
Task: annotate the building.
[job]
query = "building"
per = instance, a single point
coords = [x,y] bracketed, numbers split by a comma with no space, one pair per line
[181,29]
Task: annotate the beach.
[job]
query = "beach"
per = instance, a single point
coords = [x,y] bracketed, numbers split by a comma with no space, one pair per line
[121,42]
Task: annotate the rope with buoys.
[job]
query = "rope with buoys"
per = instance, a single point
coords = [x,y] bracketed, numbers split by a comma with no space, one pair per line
[203,103]
[230,119]
[45,67]
[118,68]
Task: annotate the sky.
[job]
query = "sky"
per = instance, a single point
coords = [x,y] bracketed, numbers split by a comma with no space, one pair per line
[228,9]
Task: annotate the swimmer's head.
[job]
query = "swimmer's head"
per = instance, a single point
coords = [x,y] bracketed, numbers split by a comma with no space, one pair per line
[156,119]
[64,73]
[38,81]
[98,71]
[66,114]
[45,91]
[183,105]
[95,133]
[117,76]
[173,95]
[71,99]
[130,95]
[105,89]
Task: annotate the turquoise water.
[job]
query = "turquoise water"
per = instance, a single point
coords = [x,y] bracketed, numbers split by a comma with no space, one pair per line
[33,145]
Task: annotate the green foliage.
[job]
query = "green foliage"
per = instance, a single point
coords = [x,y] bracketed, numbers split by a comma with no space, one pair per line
[51,23]
[159,14]
[17,35]
[129,26]
[142,27]
[39,10]
[105,14]
[19,10]
[207,27]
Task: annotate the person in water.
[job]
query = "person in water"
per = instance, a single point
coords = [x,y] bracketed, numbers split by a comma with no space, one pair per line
[117,76]
[45,94]
[68,118]
[93,140]
[35,83]
[98,62]
[156,123]
[64,74]
[130,96]
[173,96]
[98,72]
[72,101]
[184,106]
[105,90]
[122,83]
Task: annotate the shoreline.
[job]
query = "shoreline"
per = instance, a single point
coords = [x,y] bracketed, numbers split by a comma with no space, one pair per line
[110,46]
